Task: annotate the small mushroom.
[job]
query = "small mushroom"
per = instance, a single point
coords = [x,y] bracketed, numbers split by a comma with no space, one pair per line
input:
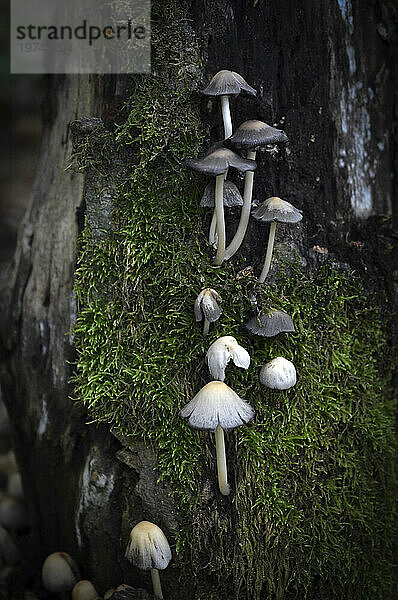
[216,163]
[221,352]
[225,84]
[250,136]
[207,306]
[59,573]
[231,196]
[148,549]
[13,513]
[274,210]
[84,590]
[278,374]
[271,323]
[216,407]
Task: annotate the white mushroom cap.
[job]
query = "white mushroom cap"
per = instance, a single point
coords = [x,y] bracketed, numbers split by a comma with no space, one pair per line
[221,352]
[59,572]
[8,550]
[84,590]
[148,547]
[278,374]
[217,404]
[207,304]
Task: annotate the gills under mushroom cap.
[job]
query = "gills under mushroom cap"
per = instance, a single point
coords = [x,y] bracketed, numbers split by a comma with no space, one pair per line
[231,195]
[207,305]
[271,323]
[254,134]
[221,352]
[227,83]
[218,161]
[148,547]
[217,404]
[276,209]
[278,374]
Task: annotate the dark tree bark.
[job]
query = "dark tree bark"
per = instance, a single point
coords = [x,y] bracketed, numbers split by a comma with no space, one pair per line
[327,73]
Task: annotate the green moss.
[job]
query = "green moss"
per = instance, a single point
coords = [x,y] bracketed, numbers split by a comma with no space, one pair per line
[311,513]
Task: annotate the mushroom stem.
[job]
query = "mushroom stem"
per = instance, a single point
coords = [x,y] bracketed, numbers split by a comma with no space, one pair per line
[245,214]
[212,230]
[219,199]
[226,116]
[268,256]
[221,462]
[157,588]
[206,326]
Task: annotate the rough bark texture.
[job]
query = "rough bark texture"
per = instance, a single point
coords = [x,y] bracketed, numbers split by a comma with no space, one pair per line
[326,73]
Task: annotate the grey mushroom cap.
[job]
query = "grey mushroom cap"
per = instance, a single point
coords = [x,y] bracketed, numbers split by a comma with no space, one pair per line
[278,374]
[253,134]
[207,305]
[148,547]
[217,404]
[276,209]
[218,160]
[271,323]
[231,195]
[228,83]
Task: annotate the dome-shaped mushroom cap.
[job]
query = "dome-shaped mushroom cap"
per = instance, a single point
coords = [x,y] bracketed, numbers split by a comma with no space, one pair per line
[271,323]
[231,195]
[228,83]
[221,352]
[84,590]
[59,572]
[278,374]
[148,547]
[252,134]
[276,209]
[207,304]
[218,161]
[216,404]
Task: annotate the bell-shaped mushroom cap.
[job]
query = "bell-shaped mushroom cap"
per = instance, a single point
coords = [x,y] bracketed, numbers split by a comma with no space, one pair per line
[271,323]
[59,572]
[278,374]
[207,304]
[84,590]
[231,195]
[148,547]
[252,134]
[221,352]
[228,83]
[216,404]
[276,209]
[218,160]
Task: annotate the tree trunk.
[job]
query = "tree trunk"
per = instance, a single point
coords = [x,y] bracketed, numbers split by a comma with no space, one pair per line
[325,73]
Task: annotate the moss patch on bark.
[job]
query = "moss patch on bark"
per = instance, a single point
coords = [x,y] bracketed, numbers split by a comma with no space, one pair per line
[311,509]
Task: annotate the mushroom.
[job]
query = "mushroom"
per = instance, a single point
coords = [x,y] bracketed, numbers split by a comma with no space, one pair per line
[84,590]
[278,374]
[59,573]
[147,549]
[231,197]
[271,323]
[274,210]
[225,84]
[13,514]
[207,306]
[216,163]
[220,353]
[14,486]
[216,407]
[9,552]
[250,136]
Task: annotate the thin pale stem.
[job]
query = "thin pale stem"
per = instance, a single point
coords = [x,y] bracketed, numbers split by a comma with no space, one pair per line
[212,230]
[220,219]
[157,588]
[245,213]
[226,116]
[221,462]
[206,326]
[268,256]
